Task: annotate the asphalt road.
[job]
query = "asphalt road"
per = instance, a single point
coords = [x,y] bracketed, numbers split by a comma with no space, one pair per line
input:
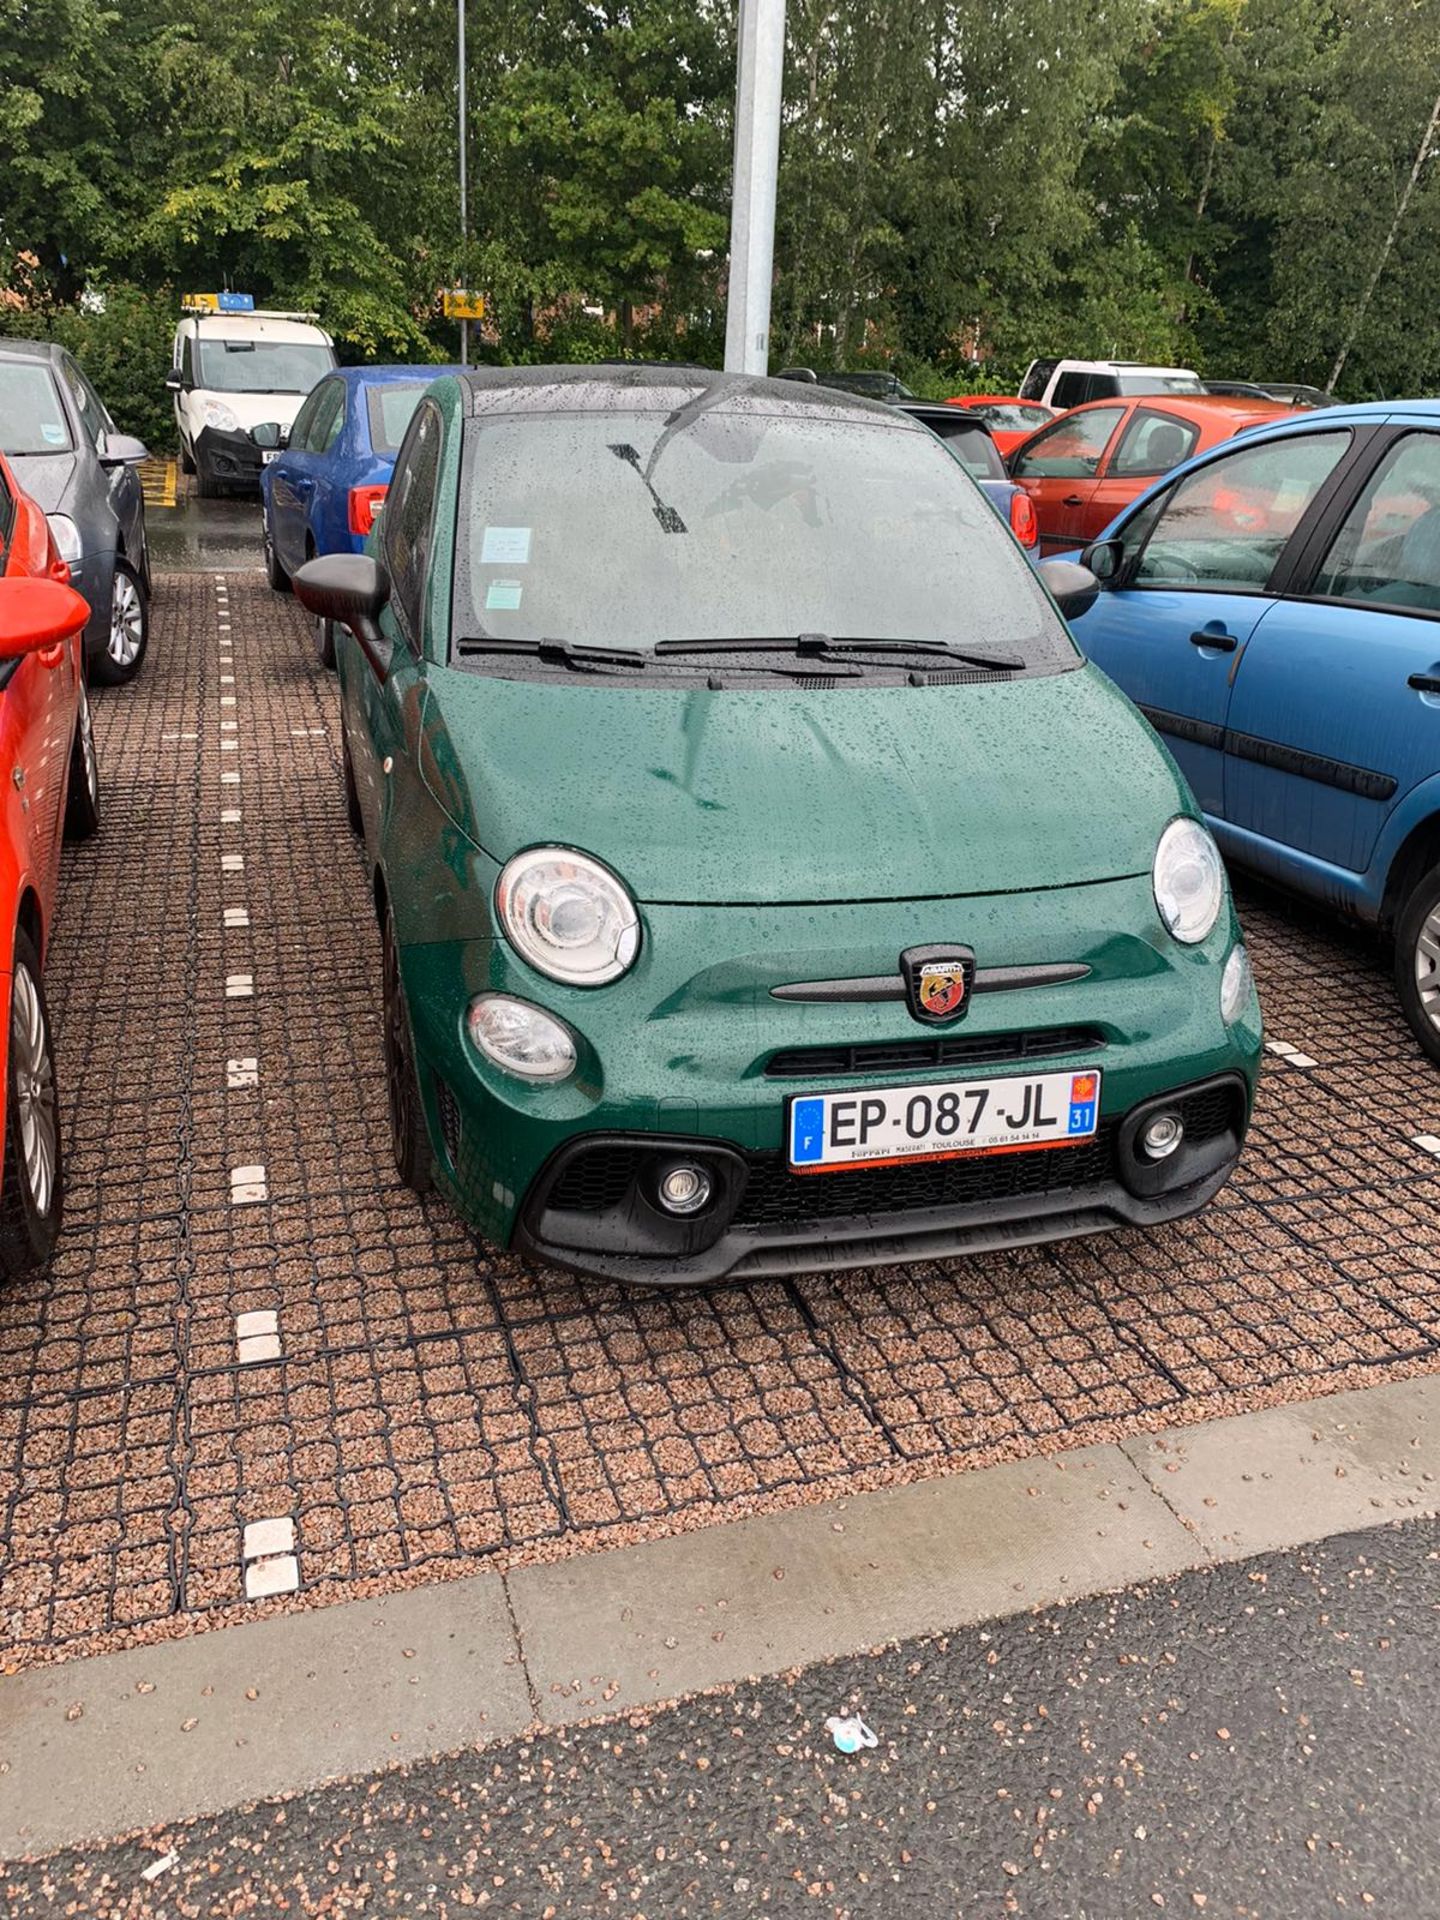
[1258,1740]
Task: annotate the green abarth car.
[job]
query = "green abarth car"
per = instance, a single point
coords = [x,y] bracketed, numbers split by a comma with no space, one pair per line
[766,883]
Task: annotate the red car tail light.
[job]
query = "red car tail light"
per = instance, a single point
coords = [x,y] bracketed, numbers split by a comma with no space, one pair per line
[1023,524]
[365,505]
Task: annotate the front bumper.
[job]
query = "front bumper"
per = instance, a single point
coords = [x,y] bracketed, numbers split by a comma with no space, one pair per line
[228,458]
[591,1209]
[694,1050]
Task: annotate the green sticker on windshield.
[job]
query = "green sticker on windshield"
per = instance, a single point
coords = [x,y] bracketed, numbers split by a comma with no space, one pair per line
[503,596]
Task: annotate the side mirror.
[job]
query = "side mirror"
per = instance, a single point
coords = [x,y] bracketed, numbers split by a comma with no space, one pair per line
[351,588]
[36,614]
[806,374]
[122,450]
[174,381]
[1104,559]
[270,434]
[1074,588]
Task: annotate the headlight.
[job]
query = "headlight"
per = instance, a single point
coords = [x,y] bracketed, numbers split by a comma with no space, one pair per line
[568,916]
[215,413]
[67,538]
[1189,880]
[1237,985]
[520,1038]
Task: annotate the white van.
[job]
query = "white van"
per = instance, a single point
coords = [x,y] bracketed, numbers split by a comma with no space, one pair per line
[231,370]
[1063,384]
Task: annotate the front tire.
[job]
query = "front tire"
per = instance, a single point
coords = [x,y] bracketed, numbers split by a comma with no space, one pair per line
[325,643]
[414,1161]
[352,792]
[82,799]
[129,635]
[187,459]
[33,1192]
[1417,961]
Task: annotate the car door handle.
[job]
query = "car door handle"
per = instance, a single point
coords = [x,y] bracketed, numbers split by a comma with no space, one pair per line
[1073,500]
[1215,637]
[1424,682]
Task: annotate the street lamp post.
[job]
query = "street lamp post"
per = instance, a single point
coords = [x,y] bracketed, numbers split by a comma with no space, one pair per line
[760,70]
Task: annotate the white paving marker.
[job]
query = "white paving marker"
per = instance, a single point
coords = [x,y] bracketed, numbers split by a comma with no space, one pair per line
[265,1538]
[247,1185]
[259,1320]
[266,1578]
[256,1348]
[239,986]
[1292,1056]
[179,736]
[1428,1141]
[227,679]
[229,816]
[227,699]
[229,726]
[232,863]
[237,916]
[242,1073]
[229,779]
[229,746]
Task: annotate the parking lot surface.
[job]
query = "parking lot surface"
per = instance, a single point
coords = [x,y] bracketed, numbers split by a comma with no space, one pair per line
[425,1404]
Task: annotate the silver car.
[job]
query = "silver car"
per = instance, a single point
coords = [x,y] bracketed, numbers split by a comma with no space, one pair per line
[68,456]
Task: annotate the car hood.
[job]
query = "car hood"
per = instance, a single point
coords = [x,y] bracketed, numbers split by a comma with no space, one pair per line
[701,797]
[45,477]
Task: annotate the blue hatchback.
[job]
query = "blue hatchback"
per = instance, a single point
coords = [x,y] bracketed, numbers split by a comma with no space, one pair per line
[322,491]
[1273,608]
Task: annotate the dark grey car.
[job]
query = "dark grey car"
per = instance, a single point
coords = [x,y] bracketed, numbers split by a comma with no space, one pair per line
[68,456]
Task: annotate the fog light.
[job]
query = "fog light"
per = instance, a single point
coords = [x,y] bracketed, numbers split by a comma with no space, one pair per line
[520,1038]
[684,1188]
[1162,1135]
[1237,984]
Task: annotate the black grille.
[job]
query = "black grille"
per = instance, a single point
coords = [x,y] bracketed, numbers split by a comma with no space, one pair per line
[1211,1112]
[449,1119]
[941,1050]
[774,1196]
[596,1180]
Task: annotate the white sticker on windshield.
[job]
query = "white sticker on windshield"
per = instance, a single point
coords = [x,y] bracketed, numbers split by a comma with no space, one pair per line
[505,547]
[52,435]
[503,596]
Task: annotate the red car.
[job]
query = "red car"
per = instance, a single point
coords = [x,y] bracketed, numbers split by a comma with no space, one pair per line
[48,749]
[1085,466]
[1010,420]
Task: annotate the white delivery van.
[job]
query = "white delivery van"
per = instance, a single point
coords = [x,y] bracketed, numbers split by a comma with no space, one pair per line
[234,366]
[1070,383]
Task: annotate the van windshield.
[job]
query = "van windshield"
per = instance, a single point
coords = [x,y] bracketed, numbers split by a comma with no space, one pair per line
[261,366]
[626,528]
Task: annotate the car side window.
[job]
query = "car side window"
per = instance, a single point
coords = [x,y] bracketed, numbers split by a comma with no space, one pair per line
[1072,390]
[322,428]
[1037,378]
[301,425]
[7,517]
[1226,525]
[409,512]
[1388,551]
[86,405]
[1153,443]
[1071,449]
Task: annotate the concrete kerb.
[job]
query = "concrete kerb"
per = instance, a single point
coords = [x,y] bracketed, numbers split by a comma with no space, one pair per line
[100,1746]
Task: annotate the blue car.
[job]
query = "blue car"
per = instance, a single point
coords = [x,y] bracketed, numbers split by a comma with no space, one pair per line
[322,491]
[1273,608]
[968,438]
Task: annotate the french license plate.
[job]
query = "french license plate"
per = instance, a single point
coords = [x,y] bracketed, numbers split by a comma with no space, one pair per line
[267,454]
[873,1125]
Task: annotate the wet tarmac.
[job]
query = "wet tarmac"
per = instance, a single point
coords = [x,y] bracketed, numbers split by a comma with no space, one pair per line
[204,536]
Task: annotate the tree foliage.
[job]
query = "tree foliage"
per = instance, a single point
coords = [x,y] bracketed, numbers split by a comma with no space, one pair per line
[1244,185]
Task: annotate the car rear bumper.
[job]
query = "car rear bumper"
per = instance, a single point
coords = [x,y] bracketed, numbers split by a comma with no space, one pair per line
[228,459]
[591,1209]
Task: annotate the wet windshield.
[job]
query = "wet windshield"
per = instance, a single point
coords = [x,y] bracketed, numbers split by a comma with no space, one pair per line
[623,529]
[262,366]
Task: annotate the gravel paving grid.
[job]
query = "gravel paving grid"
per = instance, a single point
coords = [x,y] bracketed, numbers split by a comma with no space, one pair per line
[436,1404]
[1255,1741]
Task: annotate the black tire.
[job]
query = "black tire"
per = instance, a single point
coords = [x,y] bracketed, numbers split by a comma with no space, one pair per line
[1417,961]
[414,1161]
[206,485]
[32,1197]
[325,643]
[187,459]
[352,792]
[274,572]
[82,798]
[123,654]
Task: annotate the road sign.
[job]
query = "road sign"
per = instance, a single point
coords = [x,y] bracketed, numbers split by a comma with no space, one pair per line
[458,304]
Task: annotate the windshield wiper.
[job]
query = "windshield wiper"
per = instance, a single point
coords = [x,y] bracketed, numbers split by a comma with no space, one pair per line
[824,646]
[557,653]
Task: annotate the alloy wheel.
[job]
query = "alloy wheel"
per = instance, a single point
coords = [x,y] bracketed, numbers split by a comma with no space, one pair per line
[127,620]
[34,1082]
[1427,966]
[87,747]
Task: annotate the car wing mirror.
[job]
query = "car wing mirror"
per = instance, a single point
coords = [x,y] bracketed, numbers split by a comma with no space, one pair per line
[1073,588]
[122,450]
[174,381]
[269,434]
[353,590]
[1104,559]
[36,614]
